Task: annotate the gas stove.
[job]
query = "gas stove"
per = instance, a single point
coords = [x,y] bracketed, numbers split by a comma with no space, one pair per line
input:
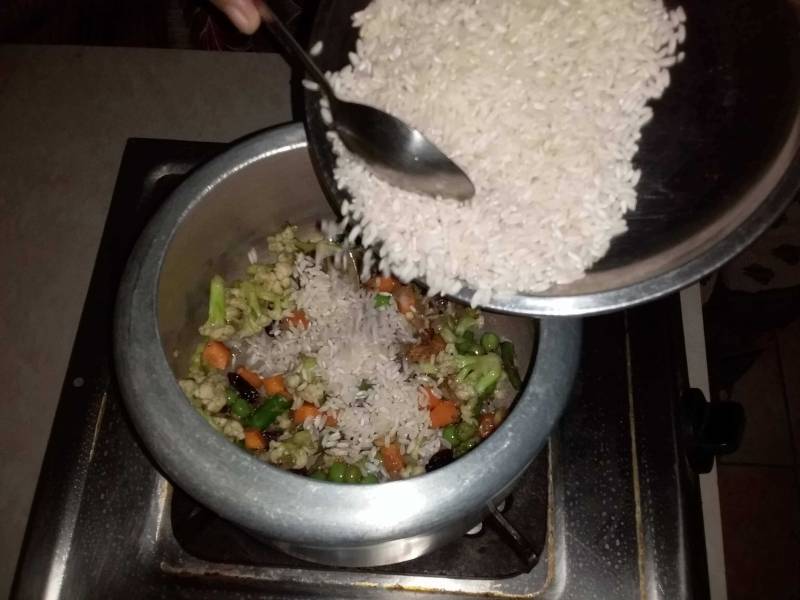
[610,509]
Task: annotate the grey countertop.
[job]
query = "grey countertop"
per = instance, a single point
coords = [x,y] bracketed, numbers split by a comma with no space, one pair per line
[65,114]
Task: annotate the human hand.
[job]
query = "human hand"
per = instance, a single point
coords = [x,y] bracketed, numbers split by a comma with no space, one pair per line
[244,14]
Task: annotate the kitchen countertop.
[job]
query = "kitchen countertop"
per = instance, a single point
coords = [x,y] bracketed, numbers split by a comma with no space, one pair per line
[65,114]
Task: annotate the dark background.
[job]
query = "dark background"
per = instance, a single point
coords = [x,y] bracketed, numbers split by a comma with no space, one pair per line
[183,24]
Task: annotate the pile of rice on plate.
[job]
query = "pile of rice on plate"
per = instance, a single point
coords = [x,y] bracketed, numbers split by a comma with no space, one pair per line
[542,105]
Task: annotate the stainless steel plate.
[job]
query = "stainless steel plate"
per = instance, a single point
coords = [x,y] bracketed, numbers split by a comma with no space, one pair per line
[719,160]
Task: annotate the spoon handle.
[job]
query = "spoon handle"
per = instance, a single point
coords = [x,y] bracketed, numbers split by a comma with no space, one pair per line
[278,29]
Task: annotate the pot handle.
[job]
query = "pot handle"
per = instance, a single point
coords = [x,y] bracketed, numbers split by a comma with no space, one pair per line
[514,538]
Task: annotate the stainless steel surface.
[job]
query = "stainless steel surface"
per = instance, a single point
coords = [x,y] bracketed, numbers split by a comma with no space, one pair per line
[214,216]
[720,159]
[393,150]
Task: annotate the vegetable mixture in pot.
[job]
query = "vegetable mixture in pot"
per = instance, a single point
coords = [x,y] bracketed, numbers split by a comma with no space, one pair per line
[354,384]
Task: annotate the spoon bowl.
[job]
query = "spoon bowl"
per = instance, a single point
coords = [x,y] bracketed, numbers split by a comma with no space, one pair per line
[392,149]
[398,153]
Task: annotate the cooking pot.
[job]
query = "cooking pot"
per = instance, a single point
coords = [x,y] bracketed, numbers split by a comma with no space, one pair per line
[206,227]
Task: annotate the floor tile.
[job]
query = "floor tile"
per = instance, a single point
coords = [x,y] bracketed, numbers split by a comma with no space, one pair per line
[760,391]
[789,348]
[761,528]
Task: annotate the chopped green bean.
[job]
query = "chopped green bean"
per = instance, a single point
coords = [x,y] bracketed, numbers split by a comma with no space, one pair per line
[271,409]
[510,364]
[469,347]
[369,478]
[448,336]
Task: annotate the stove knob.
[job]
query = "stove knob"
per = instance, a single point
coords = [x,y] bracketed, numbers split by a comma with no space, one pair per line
[710,429]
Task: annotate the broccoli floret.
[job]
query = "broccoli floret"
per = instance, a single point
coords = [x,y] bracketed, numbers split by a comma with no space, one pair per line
[294,452]
[480,372]
[287,243]
[216,302]
[205,389]
[230,428]
[459,331]
[217,327]
[253,308]
[247,306]
[284,242]
[197,366]
[469,320]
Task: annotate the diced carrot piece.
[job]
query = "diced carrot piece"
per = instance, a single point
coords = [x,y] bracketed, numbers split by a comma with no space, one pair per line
[330,420]
[392,460]
[445,413]
[433,399]
[298,319]
[486,424]
[274,385]
[383,284]
[305,411]
[253,440]
[404,298]
[249,377]
[216,354]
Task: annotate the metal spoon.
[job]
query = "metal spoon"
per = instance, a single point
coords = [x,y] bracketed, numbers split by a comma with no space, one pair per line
[396,152]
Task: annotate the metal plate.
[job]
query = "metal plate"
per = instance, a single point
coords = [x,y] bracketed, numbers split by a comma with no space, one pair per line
[719,160]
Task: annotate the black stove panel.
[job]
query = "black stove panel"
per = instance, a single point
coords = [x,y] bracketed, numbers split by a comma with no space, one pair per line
[612,507]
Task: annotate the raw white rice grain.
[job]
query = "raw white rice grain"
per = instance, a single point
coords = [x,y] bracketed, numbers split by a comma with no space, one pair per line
[541,103]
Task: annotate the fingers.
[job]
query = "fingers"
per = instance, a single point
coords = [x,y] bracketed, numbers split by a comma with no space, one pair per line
[242,13]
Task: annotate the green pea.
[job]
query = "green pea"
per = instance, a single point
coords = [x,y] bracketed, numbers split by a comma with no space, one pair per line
[490,341]
[382,300]
[369,478]
[466,431]
[319,474]
[450,433]
[352,474]
[337,472]
[465,447]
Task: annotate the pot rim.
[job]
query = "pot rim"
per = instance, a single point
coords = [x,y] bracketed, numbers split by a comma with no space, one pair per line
[242,488]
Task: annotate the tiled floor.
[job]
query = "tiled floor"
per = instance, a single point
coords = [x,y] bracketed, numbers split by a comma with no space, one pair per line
[759,492]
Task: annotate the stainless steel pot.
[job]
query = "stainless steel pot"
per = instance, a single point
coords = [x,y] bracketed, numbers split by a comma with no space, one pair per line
[206,227]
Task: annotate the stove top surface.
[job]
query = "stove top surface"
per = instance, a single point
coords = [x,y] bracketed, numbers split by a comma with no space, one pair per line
[611,508]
